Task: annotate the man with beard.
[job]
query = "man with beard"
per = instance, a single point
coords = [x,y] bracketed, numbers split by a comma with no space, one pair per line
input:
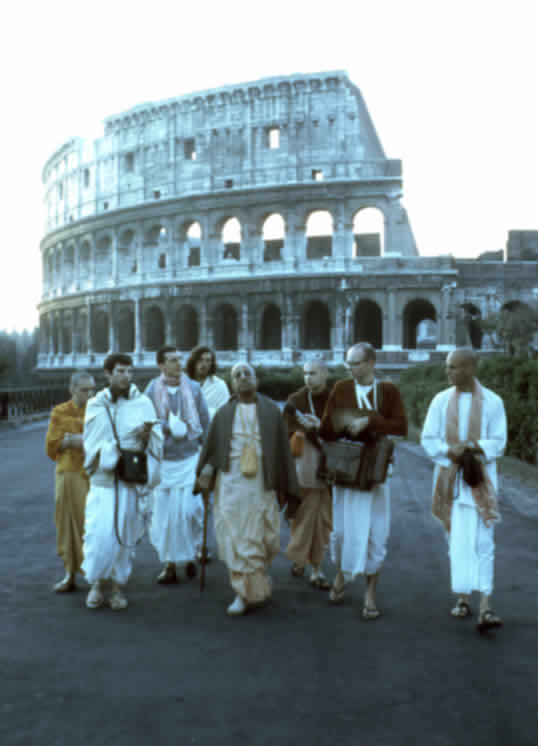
[202,367]
[247,458]
[311,526]
[176,525]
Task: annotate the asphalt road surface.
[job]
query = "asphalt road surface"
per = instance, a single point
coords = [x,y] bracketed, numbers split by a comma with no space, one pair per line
[174,669]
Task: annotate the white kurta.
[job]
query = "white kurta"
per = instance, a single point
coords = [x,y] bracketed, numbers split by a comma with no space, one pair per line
[215,392]
[177,520]
[104,556]
[361,521]
[247,520]
[471,542]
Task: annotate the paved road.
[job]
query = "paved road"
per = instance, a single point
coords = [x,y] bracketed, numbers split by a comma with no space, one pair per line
[174,669]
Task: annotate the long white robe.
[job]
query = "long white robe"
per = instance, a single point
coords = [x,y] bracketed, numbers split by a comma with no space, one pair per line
[471,543]
[104,556]
[247,519]
[361,520]
[215,392]
[177,521]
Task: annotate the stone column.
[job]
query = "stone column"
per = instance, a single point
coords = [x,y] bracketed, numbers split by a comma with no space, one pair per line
[244,350]
[74,323]
[89,329]
[138,328]
[92,262]
[111,328]
[169,336]
[115,262]
[339,326]
[390,332]
[139,259]
[60,334]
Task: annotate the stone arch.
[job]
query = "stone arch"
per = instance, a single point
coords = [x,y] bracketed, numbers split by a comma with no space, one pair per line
[154,329]
[473,328]
[369,232]
[126,258]
[44,332]
[100,327]
[319,234]
[154,233]
[187,327]
[54,334]
[274,237]
[84,258]
[188,235]
[226,327]
[368,323]
[67,333]
[316,326]
[126,328]
[415,312]
[231,233]
[103,255]
[81,332]
[271,328]
[69,264]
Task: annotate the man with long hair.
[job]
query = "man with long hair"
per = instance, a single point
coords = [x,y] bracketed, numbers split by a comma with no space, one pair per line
[202,368]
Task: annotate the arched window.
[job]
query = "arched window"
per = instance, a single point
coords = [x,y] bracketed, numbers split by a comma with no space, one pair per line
[126,330]
[100,331]
[415,312]
[317,327]
[194,240]
[226,336]
[271,330]
[154,329]
[67,334]
[102,256]
[368,326]
[319,235]
[273,238]
[186,328]
[369,232]
[231,239]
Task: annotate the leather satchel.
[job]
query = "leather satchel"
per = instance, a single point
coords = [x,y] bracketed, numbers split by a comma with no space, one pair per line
[132,467]
[341,462]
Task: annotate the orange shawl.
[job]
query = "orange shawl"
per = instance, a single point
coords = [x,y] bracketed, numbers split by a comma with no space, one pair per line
[443,494]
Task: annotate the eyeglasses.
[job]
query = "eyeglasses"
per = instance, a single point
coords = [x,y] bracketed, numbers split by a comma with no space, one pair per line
[354,363]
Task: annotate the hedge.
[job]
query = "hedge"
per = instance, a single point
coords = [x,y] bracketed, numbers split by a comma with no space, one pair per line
[514,379]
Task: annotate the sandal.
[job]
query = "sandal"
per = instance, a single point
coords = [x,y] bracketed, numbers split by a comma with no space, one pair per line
[320,583]
[297,570]
[368,613]
[488,620]
[461,610]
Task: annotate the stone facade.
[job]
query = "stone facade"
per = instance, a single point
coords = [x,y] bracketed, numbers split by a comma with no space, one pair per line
[136,254]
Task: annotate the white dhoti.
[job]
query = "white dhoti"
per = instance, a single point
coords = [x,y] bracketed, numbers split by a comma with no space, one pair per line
[471,551]
[104,557]
[247,527]
[361,527]
[177,522]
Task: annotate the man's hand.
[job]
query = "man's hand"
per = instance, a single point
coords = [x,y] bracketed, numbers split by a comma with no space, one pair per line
[71,440]
[205,477]
[455,452]
[143,432]
[309,421]
[357,426]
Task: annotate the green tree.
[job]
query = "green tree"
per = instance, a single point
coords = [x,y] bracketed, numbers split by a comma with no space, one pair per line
[512,330]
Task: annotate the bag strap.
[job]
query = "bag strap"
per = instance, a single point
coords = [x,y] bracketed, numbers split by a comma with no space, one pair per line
[116,487]
[311,403]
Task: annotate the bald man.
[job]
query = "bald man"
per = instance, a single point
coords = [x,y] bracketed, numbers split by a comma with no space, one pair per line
[246,459]
[64,445]
[464,434]
[312,525]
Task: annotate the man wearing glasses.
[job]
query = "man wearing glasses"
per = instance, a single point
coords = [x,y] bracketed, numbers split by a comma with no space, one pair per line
[361,518]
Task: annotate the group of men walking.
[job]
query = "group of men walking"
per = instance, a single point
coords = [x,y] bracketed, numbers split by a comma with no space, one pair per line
[197,442]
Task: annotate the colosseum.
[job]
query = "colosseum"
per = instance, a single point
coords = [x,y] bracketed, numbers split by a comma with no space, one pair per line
[234,218]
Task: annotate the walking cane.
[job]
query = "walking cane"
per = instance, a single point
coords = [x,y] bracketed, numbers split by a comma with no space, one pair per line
[203,558]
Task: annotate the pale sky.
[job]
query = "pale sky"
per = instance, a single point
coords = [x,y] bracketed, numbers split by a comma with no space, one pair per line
[451,89]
